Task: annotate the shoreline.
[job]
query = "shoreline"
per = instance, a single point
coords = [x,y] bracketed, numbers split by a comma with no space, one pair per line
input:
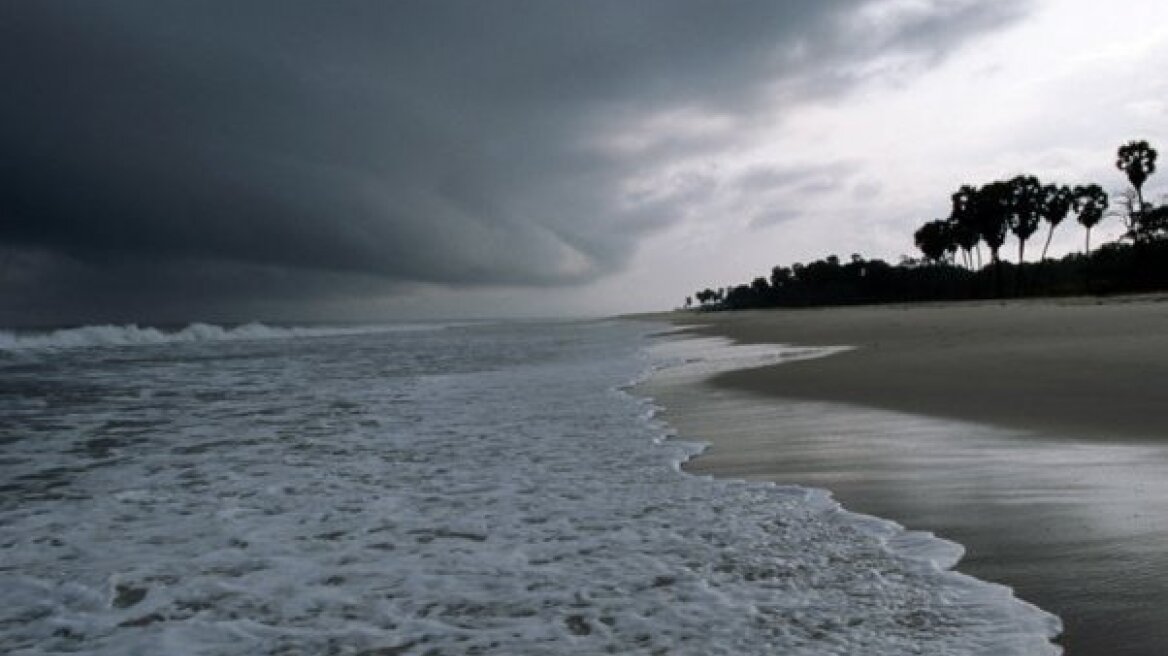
[1055,488]
[1072,367]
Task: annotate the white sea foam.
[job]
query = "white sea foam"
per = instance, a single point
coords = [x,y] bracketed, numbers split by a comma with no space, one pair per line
[134,335]
[486,490]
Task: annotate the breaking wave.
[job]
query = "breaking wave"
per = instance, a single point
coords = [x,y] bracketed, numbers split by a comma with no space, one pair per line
[134,335]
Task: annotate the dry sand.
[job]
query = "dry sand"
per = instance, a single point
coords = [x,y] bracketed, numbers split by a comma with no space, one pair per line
[1034,433]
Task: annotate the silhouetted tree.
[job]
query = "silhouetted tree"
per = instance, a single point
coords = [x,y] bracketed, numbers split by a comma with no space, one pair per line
[1023,217]
[994,204]
[964,237]
[1089,203]
[1154,223]
[987,213]
[780,277]
[1142,225]
[935,240]
[1025,207]
[760,286]
[1138,160]
[1128,212]
[1056,204]
[965,215]
[987,210]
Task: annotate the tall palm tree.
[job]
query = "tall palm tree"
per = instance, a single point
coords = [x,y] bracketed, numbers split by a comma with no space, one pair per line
[967,231]
[1024,215]
[1089,202]
[1138,160]
[987,210]
[1056,204]
[965,238]
[992,210]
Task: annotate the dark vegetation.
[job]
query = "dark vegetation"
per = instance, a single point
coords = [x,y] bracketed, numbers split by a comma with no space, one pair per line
[962,254]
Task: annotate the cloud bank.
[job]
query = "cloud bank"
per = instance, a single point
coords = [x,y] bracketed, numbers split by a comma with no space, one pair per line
[183,158]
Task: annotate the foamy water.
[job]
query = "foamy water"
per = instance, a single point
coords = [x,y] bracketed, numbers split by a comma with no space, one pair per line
[455,490]
[134,335]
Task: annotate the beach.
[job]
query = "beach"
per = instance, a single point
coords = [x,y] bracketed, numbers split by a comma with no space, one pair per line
[1030,432]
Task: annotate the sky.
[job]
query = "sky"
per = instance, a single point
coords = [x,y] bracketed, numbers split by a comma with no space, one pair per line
[165,161]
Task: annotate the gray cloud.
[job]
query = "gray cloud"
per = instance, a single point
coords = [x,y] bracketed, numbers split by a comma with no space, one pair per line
[804,178]
[774,217]
[221,152]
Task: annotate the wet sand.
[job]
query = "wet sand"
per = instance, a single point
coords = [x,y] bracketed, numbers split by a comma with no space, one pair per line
[1033,433]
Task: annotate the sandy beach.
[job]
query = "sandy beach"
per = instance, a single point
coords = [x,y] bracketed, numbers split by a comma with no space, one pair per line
[1031,432]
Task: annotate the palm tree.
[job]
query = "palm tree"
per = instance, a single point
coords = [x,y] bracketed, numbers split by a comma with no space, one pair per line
[965,223]
[965,237]
[1138,160]
[1023,217]
[1089,202]
[992,208]
[987,211]
[1056,204]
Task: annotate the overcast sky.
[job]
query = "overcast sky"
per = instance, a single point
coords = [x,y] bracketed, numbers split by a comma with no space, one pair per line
[176,161]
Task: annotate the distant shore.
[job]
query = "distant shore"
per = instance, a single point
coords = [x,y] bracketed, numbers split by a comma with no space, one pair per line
[1088,367]
[1034,433]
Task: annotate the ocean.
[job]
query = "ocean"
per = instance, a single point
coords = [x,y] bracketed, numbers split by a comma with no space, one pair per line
[444,488]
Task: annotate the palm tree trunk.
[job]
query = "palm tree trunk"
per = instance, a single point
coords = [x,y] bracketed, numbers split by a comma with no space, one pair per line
[1087,255]
[997,272]
[1045,246]
[1021,263]
[1138,216]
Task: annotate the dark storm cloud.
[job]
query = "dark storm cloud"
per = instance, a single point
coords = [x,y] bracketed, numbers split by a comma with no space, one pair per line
[231,150]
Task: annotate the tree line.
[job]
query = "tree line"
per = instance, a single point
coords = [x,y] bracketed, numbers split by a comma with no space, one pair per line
[982,218]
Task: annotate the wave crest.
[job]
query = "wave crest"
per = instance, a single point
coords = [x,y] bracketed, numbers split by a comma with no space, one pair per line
[134,335]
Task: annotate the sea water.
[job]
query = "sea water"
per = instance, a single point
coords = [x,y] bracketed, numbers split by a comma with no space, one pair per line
[428,489]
